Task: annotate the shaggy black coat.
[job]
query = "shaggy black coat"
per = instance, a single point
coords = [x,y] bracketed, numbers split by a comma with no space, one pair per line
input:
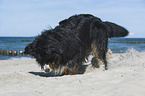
[65,47]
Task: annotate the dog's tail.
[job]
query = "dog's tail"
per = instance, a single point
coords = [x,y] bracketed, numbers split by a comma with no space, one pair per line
[115,30]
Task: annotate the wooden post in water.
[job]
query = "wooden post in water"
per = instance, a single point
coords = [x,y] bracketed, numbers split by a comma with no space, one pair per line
[10,52]
[4,52]
[21,53]
[25,54]
[15,53]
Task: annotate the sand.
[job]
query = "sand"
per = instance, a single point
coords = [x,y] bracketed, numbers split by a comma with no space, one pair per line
[125,77]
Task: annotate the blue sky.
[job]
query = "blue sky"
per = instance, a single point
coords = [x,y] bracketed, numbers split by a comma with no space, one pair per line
[30,17]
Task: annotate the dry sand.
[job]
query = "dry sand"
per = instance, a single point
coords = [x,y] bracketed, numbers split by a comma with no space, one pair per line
[125,77]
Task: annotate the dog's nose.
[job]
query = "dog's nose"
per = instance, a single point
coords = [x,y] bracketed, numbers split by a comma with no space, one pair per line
[47,70]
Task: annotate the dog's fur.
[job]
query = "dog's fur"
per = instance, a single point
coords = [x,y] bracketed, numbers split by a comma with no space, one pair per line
[65,47]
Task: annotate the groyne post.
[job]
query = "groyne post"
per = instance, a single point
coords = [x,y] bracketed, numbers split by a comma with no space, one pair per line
[4,52]
[15,53]
[10,53]
[21,53]
[25,54]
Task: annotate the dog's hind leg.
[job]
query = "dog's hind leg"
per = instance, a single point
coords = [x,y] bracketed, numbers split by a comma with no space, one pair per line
[99,50]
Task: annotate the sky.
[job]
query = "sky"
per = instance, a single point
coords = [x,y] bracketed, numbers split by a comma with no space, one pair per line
[26,18]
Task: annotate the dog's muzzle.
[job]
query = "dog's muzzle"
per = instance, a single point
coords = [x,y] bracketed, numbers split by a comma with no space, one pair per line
[50,68]
[61,70]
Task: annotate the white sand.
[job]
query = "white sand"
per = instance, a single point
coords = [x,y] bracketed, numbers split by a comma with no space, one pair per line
[125,77]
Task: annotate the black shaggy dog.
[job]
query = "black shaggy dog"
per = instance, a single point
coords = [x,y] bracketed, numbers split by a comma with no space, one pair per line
[65,47]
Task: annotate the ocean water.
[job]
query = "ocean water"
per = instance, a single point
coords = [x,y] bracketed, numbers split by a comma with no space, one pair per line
[117,45]
[121,45]
[14,43]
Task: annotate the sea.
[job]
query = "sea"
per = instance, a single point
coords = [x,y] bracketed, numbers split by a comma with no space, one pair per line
[117,45]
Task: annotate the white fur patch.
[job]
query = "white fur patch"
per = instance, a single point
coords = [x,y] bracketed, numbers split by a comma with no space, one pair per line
[47,67]
[58,71]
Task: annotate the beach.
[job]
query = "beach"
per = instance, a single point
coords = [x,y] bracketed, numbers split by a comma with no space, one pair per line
[125,77]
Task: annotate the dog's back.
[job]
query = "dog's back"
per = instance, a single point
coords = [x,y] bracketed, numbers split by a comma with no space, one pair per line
[79,25]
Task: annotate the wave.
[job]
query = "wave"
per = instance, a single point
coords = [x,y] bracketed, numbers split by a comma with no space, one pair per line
[20,58]
[134,51]
[15,58]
